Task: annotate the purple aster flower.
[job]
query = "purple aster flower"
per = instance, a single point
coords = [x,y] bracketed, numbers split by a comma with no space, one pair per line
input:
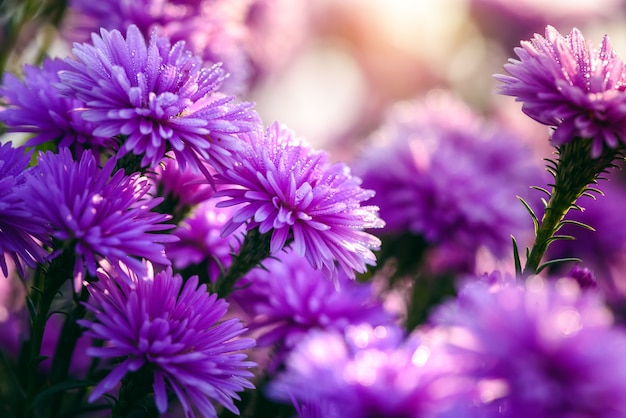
[547,349]
[371,373]
[441,173]
[156,98]
[293,192]
[20,230]
[289,298]
[565,83]
[34,105]
[173,327]
[200,240]
[97,213]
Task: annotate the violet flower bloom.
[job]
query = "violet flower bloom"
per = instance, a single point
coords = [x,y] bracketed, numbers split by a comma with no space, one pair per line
[97,213]
[156,98]
[371,373]
[442,173]
[200,240]
[544,350]
[288,298]
[293,192]
[174,328]
[565,83]
[20,230]
[34,105]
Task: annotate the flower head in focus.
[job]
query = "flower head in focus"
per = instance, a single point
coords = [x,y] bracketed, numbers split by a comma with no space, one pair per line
[34,105]
[566,83]
[20,230]
[95,212]
[285,188]
[174,328]
[155,98]
[541,350]
[289,298]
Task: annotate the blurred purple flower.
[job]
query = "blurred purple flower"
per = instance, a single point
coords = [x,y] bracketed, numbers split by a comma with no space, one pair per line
[96,213]
[88,16]
[174,328]
[293,192]
[34,105]
[442,173]
[565,83]
[603,249]
[20,229]
[251,38]
[370,373]
[289,298]
[200,240]
[183,188]
[543,350]
[156,98]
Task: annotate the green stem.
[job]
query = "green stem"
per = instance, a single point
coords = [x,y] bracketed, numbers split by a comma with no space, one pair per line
[64,353]
[575,170]
[254,249]
[59,271]
[134,399]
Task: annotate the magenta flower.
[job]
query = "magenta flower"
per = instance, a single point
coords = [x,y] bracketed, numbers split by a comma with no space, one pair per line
[156,98]
[565,83]
[183,189]
[289,298]
[175,328]
[96,213]
[34,105]
[200,240]
[21,232]
[293,192]
[543,350]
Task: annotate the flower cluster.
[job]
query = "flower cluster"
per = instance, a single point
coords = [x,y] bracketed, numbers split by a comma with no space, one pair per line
[166,252]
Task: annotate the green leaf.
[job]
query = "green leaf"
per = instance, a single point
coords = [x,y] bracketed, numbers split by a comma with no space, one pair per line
[42,398]
[532,214]
[542,189]
[557,261]
[582,225]
[560,237]
[518,264]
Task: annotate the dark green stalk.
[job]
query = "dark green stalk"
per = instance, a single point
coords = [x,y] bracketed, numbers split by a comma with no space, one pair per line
[135,395]
[254,249]
[70,333]
[59,271]
[574,172]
